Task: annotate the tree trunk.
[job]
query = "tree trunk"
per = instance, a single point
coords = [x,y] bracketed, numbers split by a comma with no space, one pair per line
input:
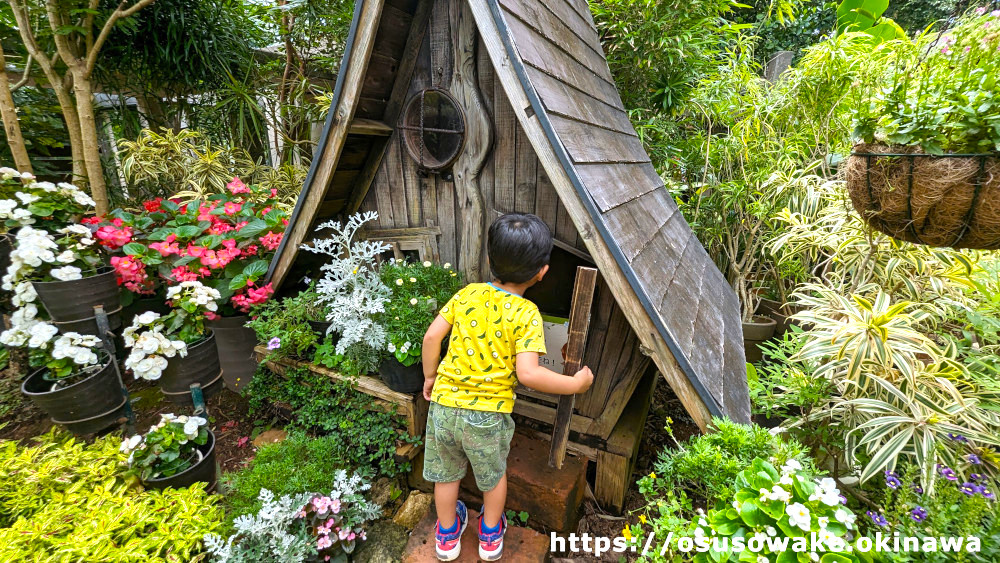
[73,129]
[90,143]
[8,111]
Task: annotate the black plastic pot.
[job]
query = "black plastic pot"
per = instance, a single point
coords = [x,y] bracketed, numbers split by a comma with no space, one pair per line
[201,365]
[140,305]
[71,304]
[85,407]
[235,343]
[755,333]
[204,471]
[401,378]
[320,327]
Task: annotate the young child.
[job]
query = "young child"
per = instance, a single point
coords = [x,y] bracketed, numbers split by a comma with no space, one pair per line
[495,334]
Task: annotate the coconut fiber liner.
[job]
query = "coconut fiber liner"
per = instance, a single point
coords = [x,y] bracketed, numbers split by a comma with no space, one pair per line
[927,199]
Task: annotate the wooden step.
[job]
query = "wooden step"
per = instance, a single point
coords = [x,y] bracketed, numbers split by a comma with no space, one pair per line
[369,127]
[520,545]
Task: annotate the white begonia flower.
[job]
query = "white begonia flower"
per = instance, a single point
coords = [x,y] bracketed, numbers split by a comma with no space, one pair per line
[66,257]
[392,348]
[75,229]
[845,517]
[146,318]
[826,492]
[791,465]
[41,334]
[447,265]
[786,480]
[130,444]
[413,301]
[67,273]
[84,199]
[191,429]
[762,559]
[27,198]
[771,531]
[778,493]
[823,521]
[7,173]
[798,515]
[22,216]
[7,206]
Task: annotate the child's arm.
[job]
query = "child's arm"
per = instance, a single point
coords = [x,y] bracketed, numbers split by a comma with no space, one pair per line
[431,351]
[545,380]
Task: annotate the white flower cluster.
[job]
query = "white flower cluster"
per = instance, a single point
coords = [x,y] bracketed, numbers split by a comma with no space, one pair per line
[350,288]
[77,347]
[16,208]
[402,349]
[195,292]
[150,347]
[26,329]
[192,425]
[34,248]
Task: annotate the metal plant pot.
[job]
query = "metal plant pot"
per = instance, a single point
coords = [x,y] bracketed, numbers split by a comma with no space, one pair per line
[71,304]
[235,343]
[205,470]
[200,365]
[84,407]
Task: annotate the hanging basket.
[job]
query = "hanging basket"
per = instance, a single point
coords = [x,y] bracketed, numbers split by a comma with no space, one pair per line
[950,200]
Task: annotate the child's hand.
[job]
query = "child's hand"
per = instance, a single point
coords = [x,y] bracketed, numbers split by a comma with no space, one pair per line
[584,378]
[428,387]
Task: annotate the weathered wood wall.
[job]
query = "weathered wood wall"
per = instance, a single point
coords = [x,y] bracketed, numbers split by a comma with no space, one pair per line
[511,180]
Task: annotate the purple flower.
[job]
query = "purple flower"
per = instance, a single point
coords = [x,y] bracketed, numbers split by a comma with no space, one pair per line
[975,477]
[969,488]
[274,343]
[892,480]
[957,437]
[974,459]
[918,489]
[987,494]
[843,500]
[980,10]
[949,474]
[877,519]
[918,514]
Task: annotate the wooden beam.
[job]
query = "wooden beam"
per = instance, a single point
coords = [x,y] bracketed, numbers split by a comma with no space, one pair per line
[579,324]
[404,75]
[324,164]
[624,293]
[370,127]
[547,414]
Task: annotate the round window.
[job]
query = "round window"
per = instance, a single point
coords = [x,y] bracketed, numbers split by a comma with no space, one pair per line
[433,129]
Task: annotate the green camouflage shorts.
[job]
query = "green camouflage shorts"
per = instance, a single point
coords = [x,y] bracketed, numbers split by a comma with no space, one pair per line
[457,438]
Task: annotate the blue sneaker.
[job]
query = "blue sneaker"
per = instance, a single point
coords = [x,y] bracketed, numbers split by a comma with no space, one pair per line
[491,543]
[449,545]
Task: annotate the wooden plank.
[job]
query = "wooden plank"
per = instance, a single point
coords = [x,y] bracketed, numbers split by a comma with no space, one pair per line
[340,186]
[525,173]
[537,51]
[559,32]
[396,180]
[604,303]
[561,99]
[382,198]
[441,50]
[504,152]
[393,30]
[547,414]
[546,198]
[396,233]
[330,208]
[401,84]
[369,127]
[616,461]
[582,24]
[579,324]
[354,154]
[582,9]
[574,448]
[616,344]
[324,164]
[735,392]
[487,176]
[372,108]
[408,6]
[586,143]
[620,395]
[447,242]
[656,269]
[381,76]
[565,229]
[612,186]
[625,294]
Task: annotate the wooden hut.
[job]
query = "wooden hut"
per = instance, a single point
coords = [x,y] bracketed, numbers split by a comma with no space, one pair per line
[448,113]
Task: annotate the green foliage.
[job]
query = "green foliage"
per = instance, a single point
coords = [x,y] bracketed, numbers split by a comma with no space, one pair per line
[43,130]
[866,16]
[62,480]
[940,93]
[912,512]
[168,448]
[298,464]
[287,320]
[705,466]
[331,408]
[418,292]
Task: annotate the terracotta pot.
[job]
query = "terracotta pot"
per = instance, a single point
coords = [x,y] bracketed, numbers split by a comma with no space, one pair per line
[400,378]
[85,407]
[71,304]
[760,330]
[205,470]
[235,343]
[201,365]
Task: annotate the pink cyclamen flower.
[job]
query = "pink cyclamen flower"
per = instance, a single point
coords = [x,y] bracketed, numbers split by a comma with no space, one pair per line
[237,186]
[343,533]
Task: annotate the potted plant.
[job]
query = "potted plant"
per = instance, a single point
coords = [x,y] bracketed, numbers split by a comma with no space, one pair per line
[352,294]
[225,241]
[76,383]
[292,326]
[419,290]
[925,169]
[177,348]
[176,452]
[303,527]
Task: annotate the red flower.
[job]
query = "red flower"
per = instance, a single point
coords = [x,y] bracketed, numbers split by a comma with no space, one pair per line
[231,208]
[237,186]
[153,206]
[252,296]
[91,220]
[114,238]
[271,240]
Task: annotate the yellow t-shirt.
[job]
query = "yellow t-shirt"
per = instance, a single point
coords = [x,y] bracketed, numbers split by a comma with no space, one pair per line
[489,328]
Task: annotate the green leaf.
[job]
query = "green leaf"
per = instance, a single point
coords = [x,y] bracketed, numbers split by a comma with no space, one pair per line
[253,228]
[134,249]
[238,282]
[256,269]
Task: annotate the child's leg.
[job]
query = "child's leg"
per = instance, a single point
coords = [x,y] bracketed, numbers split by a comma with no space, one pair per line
[494,501]
[445,499]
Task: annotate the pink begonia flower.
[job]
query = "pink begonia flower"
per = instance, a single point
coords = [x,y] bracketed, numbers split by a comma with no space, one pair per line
[336,502]
[274,192]
[343,533]
[132,274]
[182,273]
[981,10]
[254,296]
[237,186]
[324,542]
[351,537]
[231,208]
[112,237]
[271,240]
[167,247]
[205,211]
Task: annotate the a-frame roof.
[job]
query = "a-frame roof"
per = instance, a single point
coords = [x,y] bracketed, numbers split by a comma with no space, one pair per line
[549,59]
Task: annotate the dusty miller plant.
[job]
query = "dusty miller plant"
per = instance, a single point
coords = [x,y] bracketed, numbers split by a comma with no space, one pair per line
[350,287]
[266,535]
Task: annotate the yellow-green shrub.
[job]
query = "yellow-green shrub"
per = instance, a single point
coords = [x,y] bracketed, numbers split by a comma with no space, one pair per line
[64,500]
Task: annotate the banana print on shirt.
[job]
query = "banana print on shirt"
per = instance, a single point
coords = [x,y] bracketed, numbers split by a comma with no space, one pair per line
[489,327]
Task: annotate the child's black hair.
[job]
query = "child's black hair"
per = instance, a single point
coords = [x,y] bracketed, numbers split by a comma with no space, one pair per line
[519,245]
